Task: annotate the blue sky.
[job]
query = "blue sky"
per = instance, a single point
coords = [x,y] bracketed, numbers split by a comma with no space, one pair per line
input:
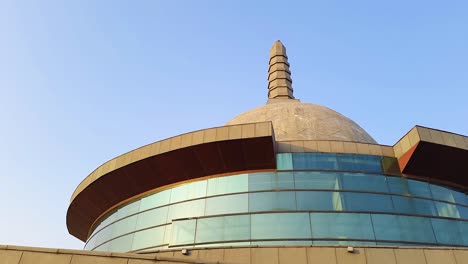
[84,81]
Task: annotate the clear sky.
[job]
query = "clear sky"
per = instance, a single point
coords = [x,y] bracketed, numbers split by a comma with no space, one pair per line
[83,81]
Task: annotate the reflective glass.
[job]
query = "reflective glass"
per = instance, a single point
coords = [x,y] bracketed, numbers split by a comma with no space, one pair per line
[128,209]
[314,161]
[124,226]
[228,184]
[272,201]
[448,231]
[317,180]
[271,181]
[155,200]
[104,235]
[183,232]
[341,225]
[285,225]
[402,228]
[446,194]
[103,247]
[107,220]
[121,244]
[188,191]
[284,161]
[227,228]
[353,162]
[463,211]
[343,242]
[228,204]
[152,217]
[186,209]
[364,182]
[447,210]
[408,187]
[319,200]
[282,242]
[368,202]
[149,238]
[408,205]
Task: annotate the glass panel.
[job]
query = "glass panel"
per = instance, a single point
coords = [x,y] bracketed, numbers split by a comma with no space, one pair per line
[447,210]
[107,220]
[445,194]
[286,225]
[223,228]
[128,209]
[187,209]
[155,200]
[90,244]
[317,180]
[103,247]
[124,226]
[152,218]
[271,181]
[183,232]
[368,202]
[188,191]
[282,242]
[322,161]
[364,182]
[408,187]
[104,235]
[229,184]
[284,161]
[448,231]
[463,211]
[353,162]
[390,165]
[121,244]
[149,238]
[272,201]
[402,228]
[345,243]
[317,200]
[229,204]
[408,205]
[341,225]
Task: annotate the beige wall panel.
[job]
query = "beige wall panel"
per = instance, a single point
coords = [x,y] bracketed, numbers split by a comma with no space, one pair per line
[155,148]
[380,256]
[459,142]
[449,139]
[263,129]
[375,150]
[344,257]
[405,144]
[461,256]
[398,150]
[81,259]
[439,256]
[466,142]
[350,147]
[283,147]
[169,254]
[310,146]
[209,135]
[248,130]
[388,151]
[413,136]
[265,256]
[240,255]
[324,146]
[142,261]
[436,136]
[235,132]
[410,256]
[296,146]
[337,146]
[212,255]
[362,148]
[424,134]
[10,256]
[44,258]
[292,255]
[197,137]
[192,256]
[185,140]
[175,142]
[165,146]
[321,255]
[222,133]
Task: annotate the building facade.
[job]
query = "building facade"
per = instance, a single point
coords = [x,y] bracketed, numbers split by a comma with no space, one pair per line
[284,174]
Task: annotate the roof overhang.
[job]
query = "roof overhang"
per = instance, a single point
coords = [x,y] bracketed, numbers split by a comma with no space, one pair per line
[193,155]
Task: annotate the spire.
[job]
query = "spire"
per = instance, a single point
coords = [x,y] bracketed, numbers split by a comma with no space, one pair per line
[279,76]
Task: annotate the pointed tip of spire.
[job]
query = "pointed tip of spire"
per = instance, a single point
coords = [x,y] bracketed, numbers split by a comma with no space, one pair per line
[278,49]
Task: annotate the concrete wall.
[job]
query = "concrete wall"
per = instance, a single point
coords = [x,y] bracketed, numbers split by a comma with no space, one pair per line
[253,255]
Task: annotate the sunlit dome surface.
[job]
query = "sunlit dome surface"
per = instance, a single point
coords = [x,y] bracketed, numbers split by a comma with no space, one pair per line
[293,120]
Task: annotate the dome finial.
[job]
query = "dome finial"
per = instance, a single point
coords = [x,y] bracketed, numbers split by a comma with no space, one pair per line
[279,76]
